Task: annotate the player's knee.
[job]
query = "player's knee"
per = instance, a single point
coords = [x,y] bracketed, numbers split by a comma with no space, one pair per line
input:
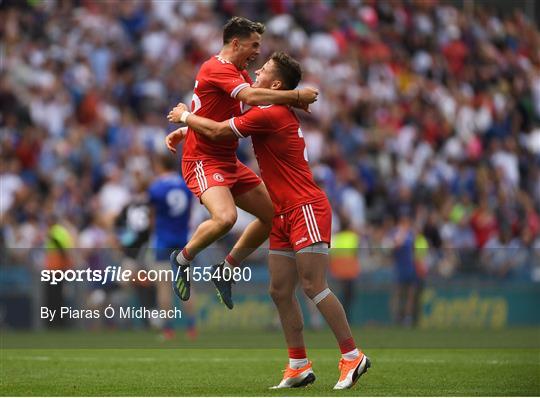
[265,211]
[226,220]
[267,216]
[278,294]
[311,288]
[266,224]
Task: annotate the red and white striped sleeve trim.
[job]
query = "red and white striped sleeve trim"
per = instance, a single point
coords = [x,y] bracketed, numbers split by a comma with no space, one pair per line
[238,88]
[235,129]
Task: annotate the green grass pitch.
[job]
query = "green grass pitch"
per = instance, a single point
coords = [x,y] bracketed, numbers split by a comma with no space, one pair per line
[404,362]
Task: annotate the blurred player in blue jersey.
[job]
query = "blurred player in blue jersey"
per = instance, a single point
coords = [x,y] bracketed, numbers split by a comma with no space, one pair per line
[171,203]
[132,228]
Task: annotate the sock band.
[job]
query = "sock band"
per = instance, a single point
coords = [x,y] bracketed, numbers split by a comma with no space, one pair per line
[351,355]
[297,363]
[186,254]
[184,258]
[347,345]
[297,352]
[231,261]
[321,296]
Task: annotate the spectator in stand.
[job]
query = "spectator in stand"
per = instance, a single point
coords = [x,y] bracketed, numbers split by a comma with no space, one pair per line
[443,100]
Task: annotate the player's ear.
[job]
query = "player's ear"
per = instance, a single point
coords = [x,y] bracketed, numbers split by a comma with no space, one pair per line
[235,43]
[276,85]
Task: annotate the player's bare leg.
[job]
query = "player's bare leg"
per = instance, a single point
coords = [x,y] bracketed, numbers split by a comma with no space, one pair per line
[220,204]
[256,202]
[312,266]
[312,270]
[283,282]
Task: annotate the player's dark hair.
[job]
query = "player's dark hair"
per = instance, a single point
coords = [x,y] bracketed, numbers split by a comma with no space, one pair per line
[168,162]
[288,69]
[240,27]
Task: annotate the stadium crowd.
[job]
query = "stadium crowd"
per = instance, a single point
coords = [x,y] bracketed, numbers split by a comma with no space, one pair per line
[426,113]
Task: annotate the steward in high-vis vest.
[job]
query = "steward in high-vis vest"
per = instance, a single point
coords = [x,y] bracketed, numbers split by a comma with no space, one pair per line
[345,264]
[57,257]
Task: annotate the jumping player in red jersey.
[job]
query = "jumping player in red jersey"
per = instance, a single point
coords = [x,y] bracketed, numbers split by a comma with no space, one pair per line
[211,169]
[300,236]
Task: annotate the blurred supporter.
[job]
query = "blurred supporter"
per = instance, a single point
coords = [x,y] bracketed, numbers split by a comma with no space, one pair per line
[402,242]
[420,102]
[344,262]
[59,241]
[502,255]
[421,252]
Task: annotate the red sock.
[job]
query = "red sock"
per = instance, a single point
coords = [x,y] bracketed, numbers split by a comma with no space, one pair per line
[186,254]
[297,352]
[347,345]
[231,260]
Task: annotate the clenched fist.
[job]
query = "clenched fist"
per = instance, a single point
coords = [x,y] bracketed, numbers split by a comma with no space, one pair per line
[176,112]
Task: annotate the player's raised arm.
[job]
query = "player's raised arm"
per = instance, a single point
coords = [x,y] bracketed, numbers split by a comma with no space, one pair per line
[206,127]
[263,96]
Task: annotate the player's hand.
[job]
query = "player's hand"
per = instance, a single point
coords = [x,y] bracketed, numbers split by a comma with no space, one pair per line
[307,95]
[173,139]
[303,106]
[176,112]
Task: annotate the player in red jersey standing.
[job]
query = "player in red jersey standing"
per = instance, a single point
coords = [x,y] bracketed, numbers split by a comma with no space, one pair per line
[211,169]
[300,236]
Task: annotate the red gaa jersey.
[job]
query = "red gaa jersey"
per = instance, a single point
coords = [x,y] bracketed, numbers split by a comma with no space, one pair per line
[281,153]
[214,97]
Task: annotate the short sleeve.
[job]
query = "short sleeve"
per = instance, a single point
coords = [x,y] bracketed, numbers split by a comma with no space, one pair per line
[253,122]
[228,79]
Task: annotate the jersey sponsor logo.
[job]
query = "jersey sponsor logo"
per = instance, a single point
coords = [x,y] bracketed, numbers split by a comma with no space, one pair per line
[300,241]
[218,177]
